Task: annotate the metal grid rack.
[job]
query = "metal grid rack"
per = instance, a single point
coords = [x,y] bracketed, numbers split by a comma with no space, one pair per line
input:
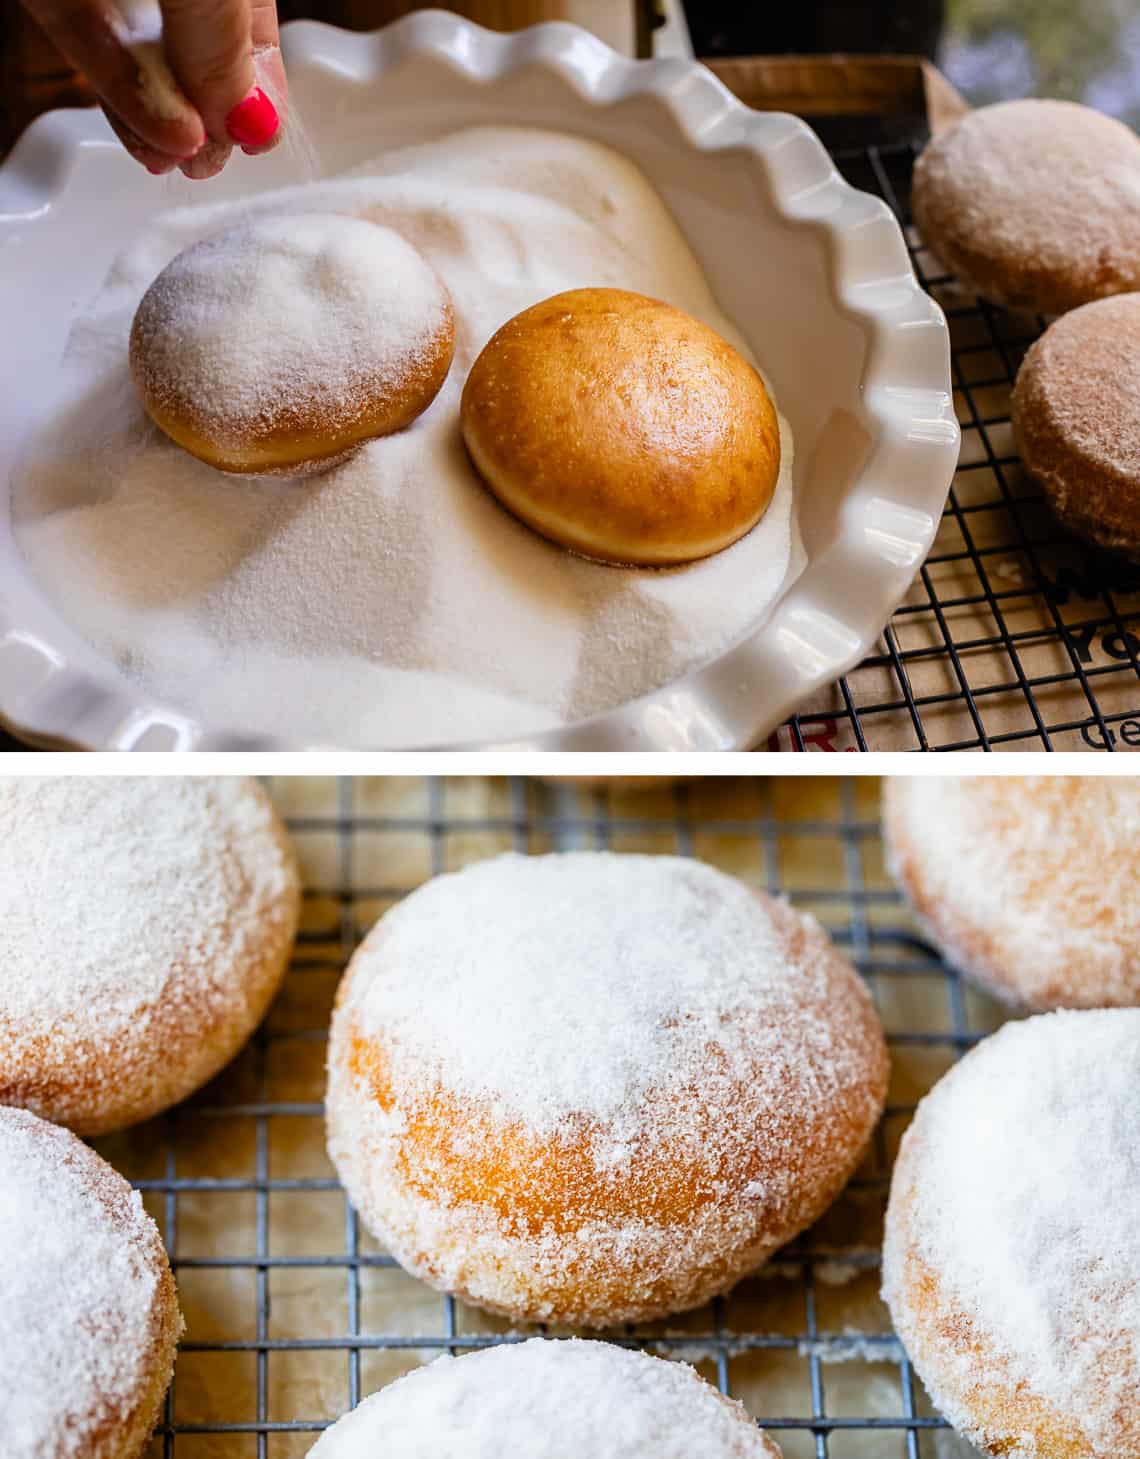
[280,1283]
[1015,635]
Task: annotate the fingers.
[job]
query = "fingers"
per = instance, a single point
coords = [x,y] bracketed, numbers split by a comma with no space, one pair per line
[206,163]
[209,44]
[157,163]
[124,68]
[269,66]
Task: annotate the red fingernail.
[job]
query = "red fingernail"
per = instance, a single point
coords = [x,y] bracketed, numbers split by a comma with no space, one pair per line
[253,121]
[157,171]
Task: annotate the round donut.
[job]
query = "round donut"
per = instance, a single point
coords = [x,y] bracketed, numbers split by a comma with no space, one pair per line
[145,924]
[1076,420]
[622,428]
[1026,885]
[544,1400]
[1033,204]
[594,1088]
[283,345]
[1011,1263]
[89,1316]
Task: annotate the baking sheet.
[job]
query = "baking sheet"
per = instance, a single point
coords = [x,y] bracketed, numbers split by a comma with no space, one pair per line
[293,1312]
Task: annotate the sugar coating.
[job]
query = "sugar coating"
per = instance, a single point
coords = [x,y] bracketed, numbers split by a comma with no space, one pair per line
[551,986]
[687,1071]
[1081,380]
[1026,883]
[546,1400]
[81,1297]
[1023,1179]
[287,318]
[131,910]
[395,602]
[1047,193]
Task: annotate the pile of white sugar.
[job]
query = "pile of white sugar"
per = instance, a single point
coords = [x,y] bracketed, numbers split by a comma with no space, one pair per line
[391,601]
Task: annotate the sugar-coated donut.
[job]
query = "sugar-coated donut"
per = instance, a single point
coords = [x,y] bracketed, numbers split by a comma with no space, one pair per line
[1033,204]
[283,345]
[1025,884]
[89,1315]
[592,1088]
[1076,420]
[145,924]
[622,428]
[546,1400]
[1011,1263]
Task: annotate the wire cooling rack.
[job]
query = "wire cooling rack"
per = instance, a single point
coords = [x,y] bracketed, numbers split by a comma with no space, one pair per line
[294,1314]
[1015,636]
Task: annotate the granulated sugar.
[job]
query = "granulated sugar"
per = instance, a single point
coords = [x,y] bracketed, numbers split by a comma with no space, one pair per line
[286,318]
[649,962]
[117,892]
[1021,1180]
[392,600]
[80,1296]
[645,1077]
[1024,883]
[545,1400]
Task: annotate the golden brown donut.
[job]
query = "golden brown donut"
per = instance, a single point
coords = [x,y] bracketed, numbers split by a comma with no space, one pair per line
[145,924]
[622,428]
[89,1315]
[548,1400]
[1025,884]
[1034,204]
[596,1089]
[282,346]
[1011,1262]
[1076,420]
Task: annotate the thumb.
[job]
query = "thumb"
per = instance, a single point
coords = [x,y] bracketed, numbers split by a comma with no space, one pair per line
[210,50]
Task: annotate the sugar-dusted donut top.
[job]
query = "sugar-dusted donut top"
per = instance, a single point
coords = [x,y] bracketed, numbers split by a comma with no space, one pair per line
[545,1400]
[1027,1206]
[294,314]
[119,893]
[81,1296]
[1048,185]
[1027,879]
[579,985]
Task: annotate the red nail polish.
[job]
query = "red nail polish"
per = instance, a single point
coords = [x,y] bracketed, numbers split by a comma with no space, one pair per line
[156,171]
[253,121]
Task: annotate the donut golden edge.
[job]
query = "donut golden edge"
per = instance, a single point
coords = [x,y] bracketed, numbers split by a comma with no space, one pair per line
[622,429]
[298,441]
[109,1431]
[991,1408]
[529,1228]
[973,265]
[74,1080]
[127,1439]
[995,257]
[1091,500]
[967,948]
[980,954]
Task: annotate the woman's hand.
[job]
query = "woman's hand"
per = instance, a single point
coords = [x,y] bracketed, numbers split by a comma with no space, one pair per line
[182,81]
